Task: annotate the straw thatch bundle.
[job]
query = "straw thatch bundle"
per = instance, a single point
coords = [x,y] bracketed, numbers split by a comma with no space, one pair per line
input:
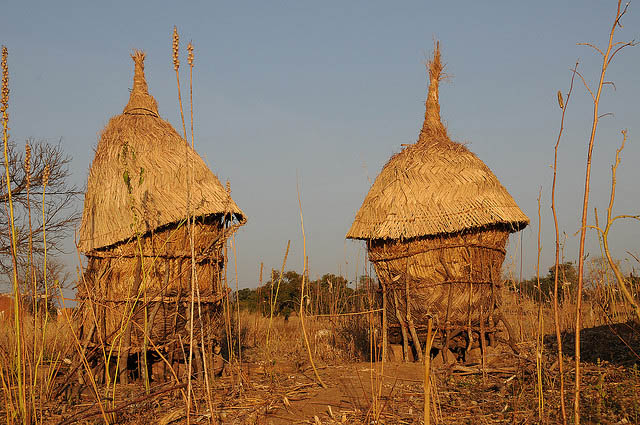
[436,221]
[144,182]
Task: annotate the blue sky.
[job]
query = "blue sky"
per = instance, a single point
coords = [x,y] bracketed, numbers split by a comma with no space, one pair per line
[323,93]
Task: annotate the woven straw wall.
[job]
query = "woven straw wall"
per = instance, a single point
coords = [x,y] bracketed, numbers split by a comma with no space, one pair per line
[120,276]
[452,278]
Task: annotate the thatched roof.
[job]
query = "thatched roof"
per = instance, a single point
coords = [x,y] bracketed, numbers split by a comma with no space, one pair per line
[434,186]
[140,176]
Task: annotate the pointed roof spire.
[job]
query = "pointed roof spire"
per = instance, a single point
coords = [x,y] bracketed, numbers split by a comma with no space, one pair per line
[140,101]
[433,126]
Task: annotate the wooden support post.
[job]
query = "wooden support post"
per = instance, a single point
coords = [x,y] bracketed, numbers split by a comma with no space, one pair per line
[412,329]
[483,346]
[124,355]
[512,341]
[83,352]
[403,328]
[385,336]
[447,325]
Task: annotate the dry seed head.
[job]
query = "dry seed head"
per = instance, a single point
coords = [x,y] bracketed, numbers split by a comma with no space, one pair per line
[45,175]
[176,43]
[190,55]
[228,186]
[560,101]
[5,84]
[27,159]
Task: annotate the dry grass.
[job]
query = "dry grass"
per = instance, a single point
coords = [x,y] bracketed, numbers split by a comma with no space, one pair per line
[333,340]
[277,381]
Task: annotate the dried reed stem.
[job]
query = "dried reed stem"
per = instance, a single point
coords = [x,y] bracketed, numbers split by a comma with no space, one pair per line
[81,350]
[190,222]
[273,301]
[606,60]
[306,265]
[605,234]
[30,276]
[190,60]
[540,321]
[16,288]
[556,308]
[235,264]
[45,181]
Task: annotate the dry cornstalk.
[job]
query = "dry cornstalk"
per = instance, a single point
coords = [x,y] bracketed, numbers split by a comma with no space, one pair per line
[540,321]
[607,57]
[304,274]
[605,233]
[556,310]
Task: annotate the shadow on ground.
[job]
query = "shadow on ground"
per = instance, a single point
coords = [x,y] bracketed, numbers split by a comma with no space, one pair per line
[618,344]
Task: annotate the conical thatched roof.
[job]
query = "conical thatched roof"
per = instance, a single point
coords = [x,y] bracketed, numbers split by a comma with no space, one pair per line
[434,186]
[139,179]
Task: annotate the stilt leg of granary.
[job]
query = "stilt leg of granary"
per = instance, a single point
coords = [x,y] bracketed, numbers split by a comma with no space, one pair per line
[412,328]
[483,343]
[445,345]
[403,328]
[197,362]
[385,336]
[124,355]
[85,344]
[123,363]
[512,341]
[151,324]
[447,322]
[492,331]
[414,338]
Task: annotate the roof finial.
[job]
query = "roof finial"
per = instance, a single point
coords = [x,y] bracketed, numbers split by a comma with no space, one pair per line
[140,101]
[433,126]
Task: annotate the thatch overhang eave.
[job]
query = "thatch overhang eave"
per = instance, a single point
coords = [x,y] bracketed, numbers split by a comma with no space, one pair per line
[511,227]
[232,220]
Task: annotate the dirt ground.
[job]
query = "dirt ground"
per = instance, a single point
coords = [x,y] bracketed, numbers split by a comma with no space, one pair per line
[504,391]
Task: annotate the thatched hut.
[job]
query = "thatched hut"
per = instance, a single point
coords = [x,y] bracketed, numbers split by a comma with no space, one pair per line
[436,222]
[145,180]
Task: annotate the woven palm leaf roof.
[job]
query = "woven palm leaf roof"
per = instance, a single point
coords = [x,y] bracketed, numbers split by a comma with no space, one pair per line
[434,186]
[144,175]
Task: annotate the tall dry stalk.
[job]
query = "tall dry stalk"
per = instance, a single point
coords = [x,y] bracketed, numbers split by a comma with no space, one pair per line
[274,299]
[235,264]
[540,322]
[304,273]
[4,102]
[556,309]
[607,57]
[190,60]
[83,359]
[45,181]
[176,67]
[628,296]
[30,276]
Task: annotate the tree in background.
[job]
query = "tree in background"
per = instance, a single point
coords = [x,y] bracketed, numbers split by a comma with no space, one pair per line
[330,294]
[60,213]
[567,278]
